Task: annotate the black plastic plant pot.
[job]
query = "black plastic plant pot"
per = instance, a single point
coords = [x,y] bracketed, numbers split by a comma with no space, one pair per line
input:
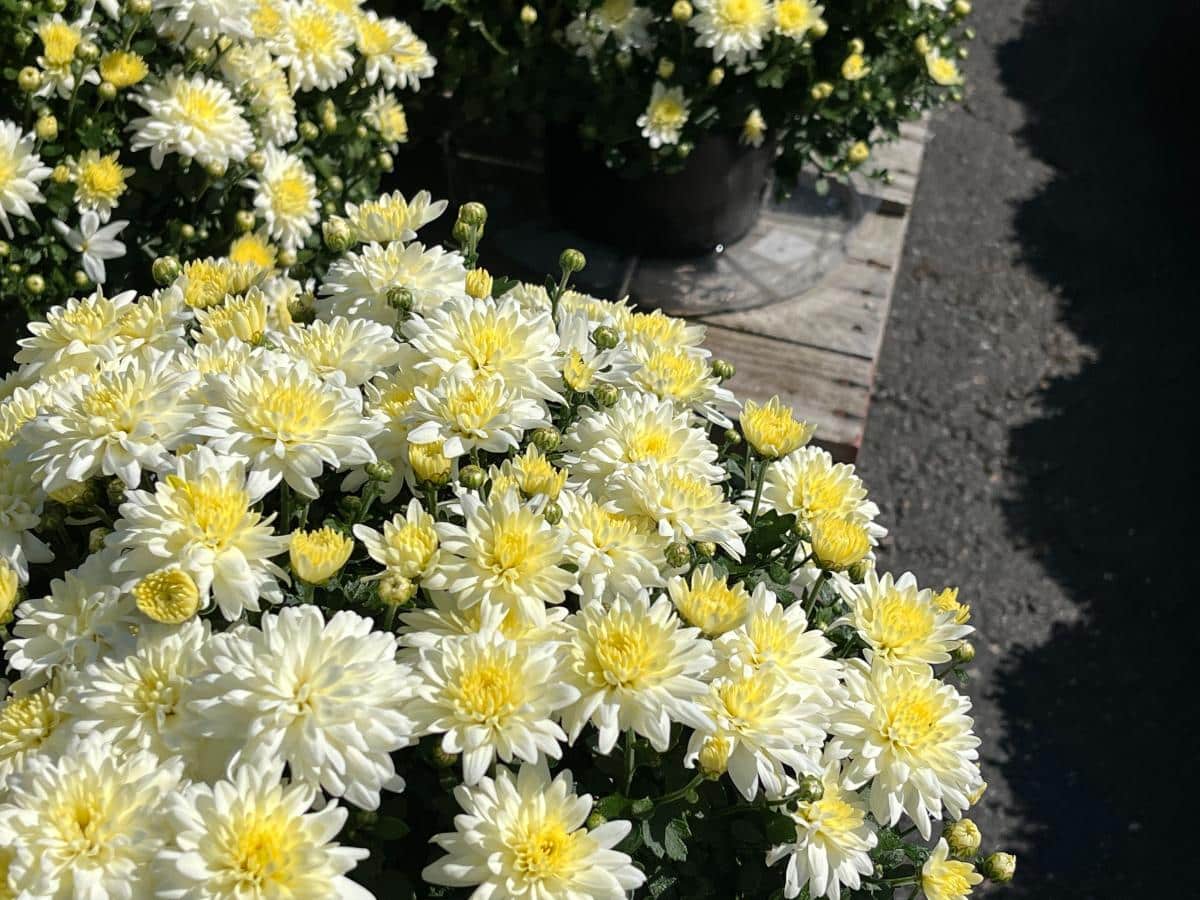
[712,202]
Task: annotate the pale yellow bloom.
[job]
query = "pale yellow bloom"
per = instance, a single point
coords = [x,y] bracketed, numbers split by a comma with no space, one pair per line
[773,430]
[169,596]
[123,68]
[317,556]
[943,878]
[838,543]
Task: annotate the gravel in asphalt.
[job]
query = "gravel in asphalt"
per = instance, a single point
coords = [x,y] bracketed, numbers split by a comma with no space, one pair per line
[1028,439]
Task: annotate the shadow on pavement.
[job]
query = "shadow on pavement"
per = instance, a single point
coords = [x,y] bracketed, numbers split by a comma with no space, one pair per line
[1101,719]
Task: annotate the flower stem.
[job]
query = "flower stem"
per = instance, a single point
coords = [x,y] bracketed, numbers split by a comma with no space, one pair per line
[810,602]
[758,489]
[680,792]
[630,763]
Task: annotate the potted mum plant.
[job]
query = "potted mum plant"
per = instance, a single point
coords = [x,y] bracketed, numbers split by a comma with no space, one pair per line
[447,586]
[137,130]
[665,118]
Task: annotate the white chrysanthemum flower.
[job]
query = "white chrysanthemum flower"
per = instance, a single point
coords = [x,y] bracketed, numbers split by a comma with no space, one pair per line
[357,350]
[21,170]
[584,365]
[622,20]
[647,332]
[447,619]
[202,519]
[795,18]
[78,336]
[244,317]
[662,122]
[614,554]
[289,424]
[195,117]
[81,620]
[252,836]
[635,667]
[139,702]
[686,506]
[87,824]
[29,724]
[21,499]
[491,337]
[119,421]
[408,545]
[314,45]
[154,323]
[684,376]
[601,312]
[467,411]
[776,636]
[943,878]
[533,297]
[809,484]
[357,285]
[491,698]
[734,29]
[833,842]
[641,428]
[412,62]
[505,553]
[198,23]
[60,39]
[900,623]
[380,41]
[390,217]
[707,600]
[327,699]
[99,182]
[386,115]
[764,729]
[525,836]
[909,735]
[252,70]
[285,195]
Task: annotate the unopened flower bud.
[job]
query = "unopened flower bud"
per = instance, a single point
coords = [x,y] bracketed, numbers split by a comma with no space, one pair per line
[202,55]
[999,867]
[329,121]
[87,51]
[857,573]
[546,438]
[35,284]
[29,79]
[552,513]
[23,39]
[429,463]
[595,820]
[46,128]
[472,477]
[732,436]
[107,91]
[681,11]
[396,590]
[810,789]
[360,131]
[706,549]
[349,505]
[624,60]
[714,756]
[335,184]
[858,153]
[461,233]
[857,46]
[337,235]
[571,261]
[473,213]
[921,45]
[215,168]
[140,7]
[115,491]
[316,556]
[309,131]
[5,249]
[165,269]
[666,67]
[479,284]
[286,258]
[400,298]
[723,369]
[385,161]
[169,596]
[677,554]
[961,8]
[964,652]
[715,76]
[257,160]
[605,337]
[528,15]
[186,231]
[381,471]
[303,308]
[606,395]
[819,29]
[963,838]
[244,220]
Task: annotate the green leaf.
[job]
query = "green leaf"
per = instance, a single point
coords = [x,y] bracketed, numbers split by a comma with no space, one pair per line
[611,807]
[675,839]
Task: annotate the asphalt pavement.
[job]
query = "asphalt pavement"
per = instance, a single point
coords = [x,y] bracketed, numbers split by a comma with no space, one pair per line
[1029,440]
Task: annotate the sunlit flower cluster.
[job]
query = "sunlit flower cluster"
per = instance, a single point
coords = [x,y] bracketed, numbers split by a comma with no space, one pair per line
[149,129]
[284,579]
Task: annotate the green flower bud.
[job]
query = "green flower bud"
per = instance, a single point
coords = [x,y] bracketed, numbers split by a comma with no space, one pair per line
[706,549]
[472,477]
[360,132]
[140,7]
[733,437]
[29,79]
[723,369]
[186,231]
[56,5]
[165,269]
[546,439]
[810,789]
[96,538]
[87,51]
[256,160]
[244,220]
[607,395]
[337,234]
[385,161]
[80,278]
[964,652]
[303,308]
[442,759]
[23,40]
[963,838]
[595,820]
[678,555]
[46,128]
[114,489]
[858,572]
[215,168]
[473,213]
[666,68]
[571,261]
[552,513]
[5,249]
[716,76]
[819,29]
[309,131]
[349,505]
[681,11]
[400,298]
[286,258]
[380,471]
[335,184]
[107,91]
[961,8]
[999,867]
[461,233]
[605,337]
[35,284]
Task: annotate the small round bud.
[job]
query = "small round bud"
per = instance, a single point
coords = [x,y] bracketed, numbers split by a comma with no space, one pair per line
[23,40]
[385,161]
[286,258]
[215,168]
[964,652]
[732,436]
[335,184]
[361,132]
[963,838]
[303,308]
[350,504]
[186,231]
[35,284]
[380,471]
[472,477]
[46,128]
[714,756]
[706,549]
[461,233]
[595,820]
[810,789]
[107,91]
[87,51]
[572,261]
[723,369]
[56,5]
[257,160]
[202,55]
[961,8]
[999,867]
[921,45]
[165,269]
[309,131]
[140,7]
[857,46]
[5,249]
[29,79]
[329,121]
[479,284]
[96,538]
[944,41]
[858,153]
[244,220]
[473,213]
[857,573]
[80,278]
[552,513]
[442,759]
[624,60]
[962,52]
[546,439]
[605,337]
[666,68]
[678,555]
[607,395]
[337,234]
[969,33]
[681,11]
[115,491]
[715,76]
[400,299]
[819,29]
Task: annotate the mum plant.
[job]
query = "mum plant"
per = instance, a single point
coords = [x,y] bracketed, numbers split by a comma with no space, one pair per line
[438,585]
[645,81]
[186,129]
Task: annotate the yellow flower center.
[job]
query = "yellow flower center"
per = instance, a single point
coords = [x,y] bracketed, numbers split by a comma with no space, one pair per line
[542,850]
[123,68]
[253,249]
[535,475]
[772,430]
[794,16]
[770,638]
[911,719]
[690,491]
[902,620]
[210,280]
[941,70]
[515,543]
[381,221]
[832,812]
[290,412]
[291,196]
[8,168]
[156,694]
[667,113]
[472,405]
[415,545]
[625,650]
[675,374]
[651,441]
[749,699]
[199,106]
[244,318]
[947,601]
[81,823]
[373,37]
[214,511]
[59,41]
[317,556]
[712,605]
[266,20]
[314,34]
[819,491]
[428,461]
[262,854]
[100,179]
[837,544]
[488,690]
[113,405]
[169,596]
[740,15]
[26,723]
[577,372]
